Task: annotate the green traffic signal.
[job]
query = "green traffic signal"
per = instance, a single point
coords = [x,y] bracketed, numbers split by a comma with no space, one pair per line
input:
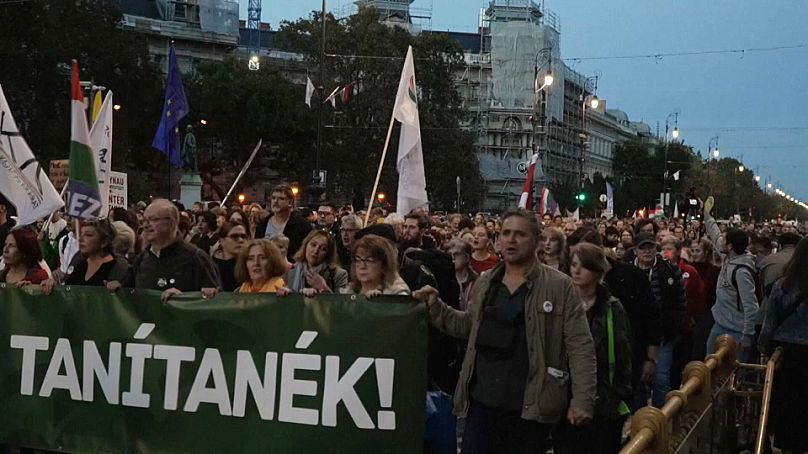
[581,197]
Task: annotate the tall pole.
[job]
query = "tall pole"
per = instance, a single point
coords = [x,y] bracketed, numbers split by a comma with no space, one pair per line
[316,189]
[458,193]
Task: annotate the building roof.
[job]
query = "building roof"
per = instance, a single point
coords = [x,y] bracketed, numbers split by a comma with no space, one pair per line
[267,38]
[142,8]
[470,42]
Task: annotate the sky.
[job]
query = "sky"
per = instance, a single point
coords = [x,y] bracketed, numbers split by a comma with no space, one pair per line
[754,101]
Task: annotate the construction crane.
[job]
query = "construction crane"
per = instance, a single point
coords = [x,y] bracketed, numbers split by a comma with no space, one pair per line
[254,32]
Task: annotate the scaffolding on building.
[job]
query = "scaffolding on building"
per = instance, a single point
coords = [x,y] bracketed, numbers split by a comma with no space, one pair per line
[510,119]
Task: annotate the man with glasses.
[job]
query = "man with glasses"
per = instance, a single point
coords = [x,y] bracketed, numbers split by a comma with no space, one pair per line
[168,263]
[349,225]
[327,219]
[283,219]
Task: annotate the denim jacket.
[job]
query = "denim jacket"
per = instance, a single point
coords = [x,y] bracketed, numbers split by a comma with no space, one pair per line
[786,319]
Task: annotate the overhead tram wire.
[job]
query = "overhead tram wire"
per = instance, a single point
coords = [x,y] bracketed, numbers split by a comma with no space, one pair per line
[656,56]
[693,53]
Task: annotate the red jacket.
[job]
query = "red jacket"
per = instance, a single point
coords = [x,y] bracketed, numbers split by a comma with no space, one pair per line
[694,289]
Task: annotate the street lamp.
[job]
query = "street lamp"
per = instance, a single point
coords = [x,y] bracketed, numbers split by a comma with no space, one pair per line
[741,168]
[254,64]
[593,102]
[757,178]
[203,122]
[713,149]
[675,132]
[540,102]
[769,185]
[117,107]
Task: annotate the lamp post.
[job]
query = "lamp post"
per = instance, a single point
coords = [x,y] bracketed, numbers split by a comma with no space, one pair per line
[675,135]
[540,87]
[712,153]
[592,102]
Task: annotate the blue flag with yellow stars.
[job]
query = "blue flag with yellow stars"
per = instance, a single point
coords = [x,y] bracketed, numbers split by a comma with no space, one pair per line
[167,139]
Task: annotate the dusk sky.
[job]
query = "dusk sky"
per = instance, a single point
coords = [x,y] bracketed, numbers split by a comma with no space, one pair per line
[755,101]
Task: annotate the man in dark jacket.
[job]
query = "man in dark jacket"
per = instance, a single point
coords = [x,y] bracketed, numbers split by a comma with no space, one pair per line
[668,290]
[168,263]
[283,219]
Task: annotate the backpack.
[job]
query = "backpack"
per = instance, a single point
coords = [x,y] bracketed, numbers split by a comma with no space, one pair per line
[755,278]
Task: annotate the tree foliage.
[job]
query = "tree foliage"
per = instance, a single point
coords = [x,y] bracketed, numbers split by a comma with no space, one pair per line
[40,38]
[355,133]
[639,173]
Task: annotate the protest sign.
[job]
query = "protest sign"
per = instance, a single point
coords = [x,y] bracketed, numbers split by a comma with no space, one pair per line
[118,190]
[83,370]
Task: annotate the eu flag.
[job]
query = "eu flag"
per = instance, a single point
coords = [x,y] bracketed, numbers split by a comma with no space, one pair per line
[175,108]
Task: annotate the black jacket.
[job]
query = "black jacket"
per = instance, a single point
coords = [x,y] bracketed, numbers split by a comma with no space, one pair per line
[631,286]
[296,230]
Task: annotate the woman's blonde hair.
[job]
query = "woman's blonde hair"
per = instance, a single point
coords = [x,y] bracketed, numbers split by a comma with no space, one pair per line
[275,263]
[377,248]
[331,248]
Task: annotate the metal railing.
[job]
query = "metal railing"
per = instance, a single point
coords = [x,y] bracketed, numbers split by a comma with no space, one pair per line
[771,365]
[653,429]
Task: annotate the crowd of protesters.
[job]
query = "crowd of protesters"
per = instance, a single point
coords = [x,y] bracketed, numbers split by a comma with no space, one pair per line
[543,327]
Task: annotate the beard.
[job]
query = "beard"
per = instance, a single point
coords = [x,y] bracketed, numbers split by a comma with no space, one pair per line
[406,242]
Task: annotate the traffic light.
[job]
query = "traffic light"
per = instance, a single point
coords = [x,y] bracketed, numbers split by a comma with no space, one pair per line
[581,197]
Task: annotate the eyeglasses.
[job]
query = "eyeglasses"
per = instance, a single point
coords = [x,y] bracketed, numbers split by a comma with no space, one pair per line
[237,236]
[155,220]
[365,260]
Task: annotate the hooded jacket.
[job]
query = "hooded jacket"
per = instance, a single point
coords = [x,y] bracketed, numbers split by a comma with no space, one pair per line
[725,311]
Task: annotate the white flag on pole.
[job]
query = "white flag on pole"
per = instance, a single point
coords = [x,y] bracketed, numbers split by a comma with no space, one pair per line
[309,91]
[22,180]
[410,161]
[332,97]
[101,142]
[676,175]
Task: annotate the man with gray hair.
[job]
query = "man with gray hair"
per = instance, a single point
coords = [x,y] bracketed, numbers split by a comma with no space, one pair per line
[168,263]
[349,225]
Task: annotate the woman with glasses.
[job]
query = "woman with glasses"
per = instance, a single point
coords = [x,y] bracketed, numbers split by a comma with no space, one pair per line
[375,268]
[260,266]
[232,237]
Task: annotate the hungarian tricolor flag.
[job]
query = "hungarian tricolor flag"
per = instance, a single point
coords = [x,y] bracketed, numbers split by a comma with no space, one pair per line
[83,197]
[526,201]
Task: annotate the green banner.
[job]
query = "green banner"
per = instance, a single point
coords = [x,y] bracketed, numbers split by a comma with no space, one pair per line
[82,370]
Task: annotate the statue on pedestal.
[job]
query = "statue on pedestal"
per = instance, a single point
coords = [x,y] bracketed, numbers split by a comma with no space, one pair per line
[189,157]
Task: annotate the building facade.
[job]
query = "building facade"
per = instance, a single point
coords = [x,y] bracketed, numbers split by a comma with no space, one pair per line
[517,43]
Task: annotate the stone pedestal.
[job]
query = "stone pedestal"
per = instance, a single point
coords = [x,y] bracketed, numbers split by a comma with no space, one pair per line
[190,189]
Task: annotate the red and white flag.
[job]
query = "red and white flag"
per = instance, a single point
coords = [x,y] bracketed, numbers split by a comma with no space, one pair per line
[526,201]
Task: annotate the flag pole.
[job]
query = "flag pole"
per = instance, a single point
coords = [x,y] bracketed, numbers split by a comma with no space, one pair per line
[61,196]
[243,171]
[379,172]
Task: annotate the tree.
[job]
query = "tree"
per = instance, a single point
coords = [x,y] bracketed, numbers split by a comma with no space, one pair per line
[39,40]
[354,134]
[240,106]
